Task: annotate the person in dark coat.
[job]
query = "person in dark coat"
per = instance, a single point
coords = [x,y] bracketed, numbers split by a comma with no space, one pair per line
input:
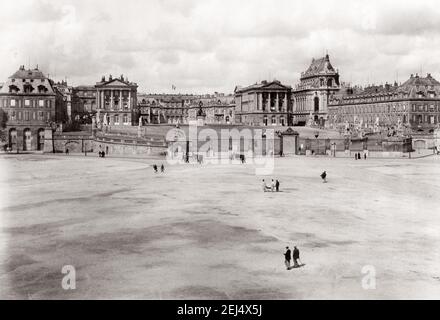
[359,155]
[296,257]
[365,156]
[324,176]
[355,156]
[162,168]
[287,257]
[277,185]
[155,168]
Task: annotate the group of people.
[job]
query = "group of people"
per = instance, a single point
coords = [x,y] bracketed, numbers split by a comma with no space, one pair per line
[288,255]
[162,168]
[357,156]
[274,186]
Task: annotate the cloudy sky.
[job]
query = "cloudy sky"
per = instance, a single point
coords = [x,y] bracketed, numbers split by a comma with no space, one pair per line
[202,46]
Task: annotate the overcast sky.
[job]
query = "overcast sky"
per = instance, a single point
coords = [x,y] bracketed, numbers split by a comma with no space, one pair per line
[213,45]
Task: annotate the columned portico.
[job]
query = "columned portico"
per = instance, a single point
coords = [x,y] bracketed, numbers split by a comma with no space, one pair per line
[117,92]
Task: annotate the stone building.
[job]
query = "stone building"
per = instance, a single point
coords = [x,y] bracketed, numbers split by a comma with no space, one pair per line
[310,97]
[83,101]
[173,109]
[415,104]
[31,103]
[263,104]
[66,92]
[116,101]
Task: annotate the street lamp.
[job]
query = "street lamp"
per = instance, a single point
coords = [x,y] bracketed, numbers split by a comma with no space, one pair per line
[334,149]
[316,136]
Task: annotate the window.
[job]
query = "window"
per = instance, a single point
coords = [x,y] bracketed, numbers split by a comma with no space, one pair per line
[13,115]
[41,103]
[48,116]
[12,104]
[19,115]
[274,120]
[40,115]
[26,115]
[125,119]
[116,119]
[27,102]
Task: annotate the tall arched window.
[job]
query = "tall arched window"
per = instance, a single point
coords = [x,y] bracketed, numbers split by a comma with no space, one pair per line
[316,104]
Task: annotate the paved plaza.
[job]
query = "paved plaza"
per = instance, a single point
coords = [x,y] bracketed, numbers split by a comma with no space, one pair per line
[209,232]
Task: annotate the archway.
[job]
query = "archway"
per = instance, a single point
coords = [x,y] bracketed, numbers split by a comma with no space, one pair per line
[27,139]
[12,138]
[40,139]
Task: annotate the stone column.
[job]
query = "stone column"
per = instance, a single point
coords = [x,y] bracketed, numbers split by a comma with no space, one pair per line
[268,102]
[120,99]
[111,99]
[260,100]
[277,101]
[102,99]
[98,100]
[129,100]
[285,103]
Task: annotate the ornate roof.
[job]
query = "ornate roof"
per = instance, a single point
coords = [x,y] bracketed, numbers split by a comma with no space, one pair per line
[321,66]
[416,84]
[22,73]
[263,85]
[22,82]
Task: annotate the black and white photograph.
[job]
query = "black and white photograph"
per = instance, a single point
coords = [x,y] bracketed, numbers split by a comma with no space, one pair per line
[219,150]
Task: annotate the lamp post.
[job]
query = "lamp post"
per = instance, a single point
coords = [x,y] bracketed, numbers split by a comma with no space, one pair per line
[316,136]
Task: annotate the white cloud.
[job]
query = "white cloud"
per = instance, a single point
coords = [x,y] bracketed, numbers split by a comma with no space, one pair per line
[213,45]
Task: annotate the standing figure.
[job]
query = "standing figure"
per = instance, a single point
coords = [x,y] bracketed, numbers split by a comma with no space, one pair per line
[162,168]
[272,186]
[277,185]
[264,186]
[324,176]
[155,168]
[296,257]
[287,256]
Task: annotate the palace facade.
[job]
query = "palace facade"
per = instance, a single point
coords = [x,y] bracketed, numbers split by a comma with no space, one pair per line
[311,96]
[116,101]
[263,104]
[414,104]
[157,109]
[31,103]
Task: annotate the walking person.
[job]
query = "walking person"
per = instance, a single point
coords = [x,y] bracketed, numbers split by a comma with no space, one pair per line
[296,257]
[324,177]
[67,151]
[272,186]
[277,185]
[287,257]
[162,168]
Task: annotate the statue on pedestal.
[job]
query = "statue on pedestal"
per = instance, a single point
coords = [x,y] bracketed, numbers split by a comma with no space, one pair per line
[310,121]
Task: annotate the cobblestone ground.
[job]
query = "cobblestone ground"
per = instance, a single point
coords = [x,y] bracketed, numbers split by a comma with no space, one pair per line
[209,232]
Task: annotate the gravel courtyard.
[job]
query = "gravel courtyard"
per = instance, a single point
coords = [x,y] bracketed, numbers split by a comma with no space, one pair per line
[209,232]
